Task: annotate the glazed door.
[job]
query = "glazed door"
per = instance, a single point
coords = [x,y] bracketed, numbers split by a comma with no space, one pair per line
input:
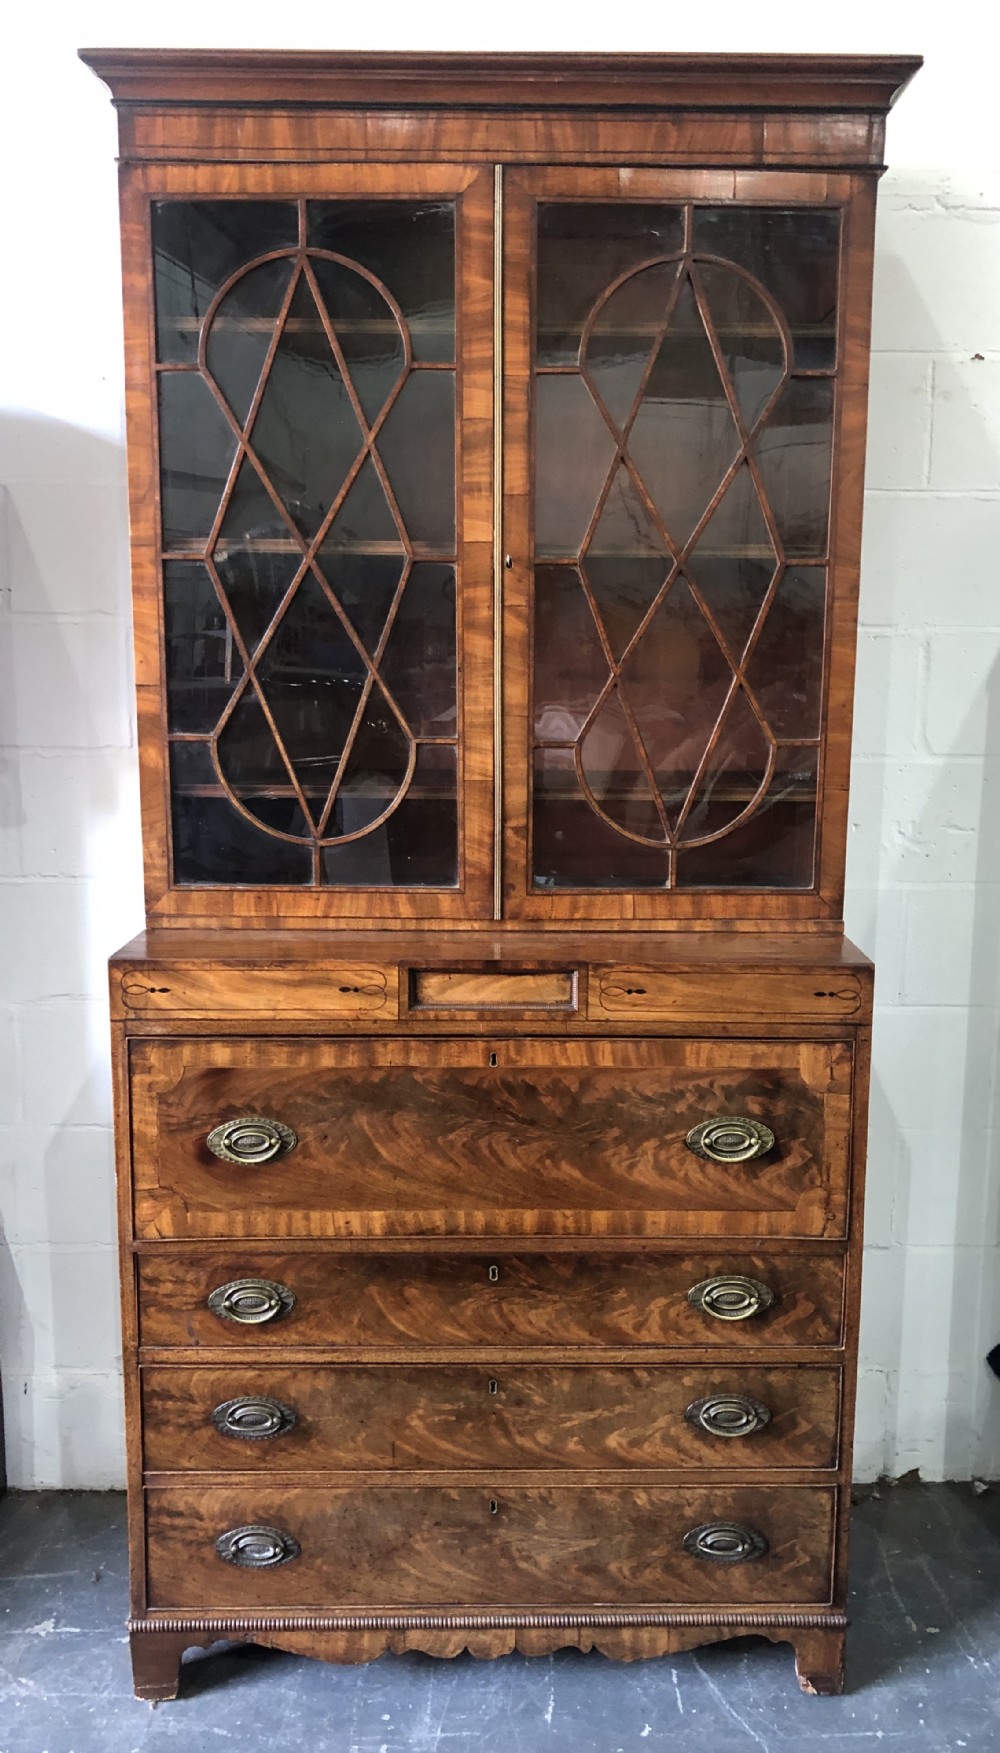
[314,673]
[678,364]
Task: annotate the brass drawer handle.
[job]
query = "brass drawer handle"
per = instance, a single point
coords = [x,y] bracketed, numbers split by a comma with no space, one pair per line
[730,1139]
[728,1415]
[251,1301]
[256,1547]
[253,1418]
[730,1297]
[725,1543]
[251,1140]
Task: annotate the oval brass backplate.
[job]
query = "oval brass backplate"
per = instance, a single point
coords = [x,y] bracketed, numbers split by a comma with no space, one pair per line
[256,1547]
[251,1301]
[251,1140]
[730,1139]
[725,1543]
[253,1418]
[730,1297]
[728,1415]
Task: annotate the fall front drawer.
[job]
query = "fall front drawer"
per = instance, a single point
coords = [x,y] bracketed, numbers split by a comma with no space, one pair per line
[267,1300]
[416,1137]
[248,1417]
[252,1546]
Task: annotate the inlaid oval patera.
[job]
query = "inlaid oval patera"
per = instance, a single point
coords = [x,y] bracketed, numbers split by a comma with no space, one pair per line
[256,1547]
[251,1301]
[728,1415]
[253,1418]
[725,1543]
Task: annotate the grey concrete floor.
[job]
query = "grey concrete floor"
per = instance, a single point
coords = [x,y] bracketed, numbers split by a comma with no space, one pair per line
[923,1662]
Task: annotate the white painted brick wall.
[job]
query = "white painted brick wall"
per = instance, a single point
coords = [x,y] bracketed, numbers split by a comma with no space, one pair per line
[924,860]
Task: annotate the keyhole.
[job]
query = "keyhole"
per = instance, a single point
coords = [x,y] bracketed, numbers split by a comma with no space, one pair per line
[494,1506]
[493,1385]
[493,1274]
[493,1059]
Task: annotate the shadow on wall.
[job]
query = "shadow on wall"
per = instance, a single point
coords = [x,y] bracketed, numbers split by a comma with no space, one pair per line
[935,1109]
[69,894]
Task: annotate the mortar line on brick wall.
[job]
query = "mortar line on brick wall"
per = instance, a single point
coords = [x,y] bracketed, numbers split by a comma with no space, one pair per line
[985,493]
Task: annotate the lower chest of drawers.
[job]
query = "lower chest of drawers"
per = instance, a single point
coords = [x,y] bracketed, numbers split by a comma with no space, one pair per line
[485,1329]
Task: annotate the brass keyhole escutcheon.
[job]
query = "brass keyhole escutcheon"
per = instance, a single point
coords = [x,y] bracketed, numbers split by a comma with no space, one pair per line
[730,1139]
[493,1385]
[493,1274]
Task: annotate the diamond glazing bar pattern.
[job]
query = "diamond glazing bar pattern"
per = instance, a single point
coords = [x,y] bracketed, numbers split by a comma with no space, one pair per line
[334,752]
[683,497]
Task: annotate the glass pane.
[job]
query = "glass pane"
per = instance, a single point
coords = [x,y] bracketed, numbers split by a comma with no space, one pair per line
[212,841]
[734,772]
[677,543]
[581,251]
[197,449]
[312,676]
[307,349]
[574,451]
[419,663]
[417,447]
[365,586]
[676,681]
[253,767]
[417,847]
[368,331]
[684,437]
[306,434]
[614,774]
[197,247]
[749,338]
[241,332]
[410,247]
[202,662]
[256,581]
[572,847]
[795,254]
[570,666]
[793,452]
[622,337]
[785,671]
[774,848]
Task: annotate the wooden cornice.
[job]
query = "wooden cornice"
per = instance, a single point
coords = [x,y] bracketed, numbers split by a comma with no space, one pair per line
[623,81]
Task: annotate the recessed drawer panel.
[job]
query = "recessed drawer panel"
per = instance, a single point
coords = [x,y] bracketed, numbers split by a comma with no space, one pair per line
[254,1546]
[418,1137]
[261,1417]
[462,989]
[733,1299]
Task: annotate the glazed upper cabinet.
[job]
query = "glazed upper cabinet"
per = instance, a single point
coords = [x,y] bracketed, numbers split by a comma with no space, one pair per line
[497,534]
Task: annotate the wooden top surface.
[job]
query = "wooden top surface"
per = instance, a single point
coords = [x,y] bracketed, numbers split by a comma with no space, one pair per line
[499,81]
[673,949]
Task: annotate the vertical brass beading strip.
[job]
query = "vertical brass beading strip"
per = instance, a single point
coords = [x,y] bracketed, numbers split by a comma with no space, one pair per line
[498,555]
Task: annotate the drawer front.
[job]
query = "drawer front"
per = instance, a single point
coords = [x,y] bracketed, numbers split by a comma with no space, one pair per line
[367,1300]
[434,1546]
[421,1137]
[626,994]
[263,1417]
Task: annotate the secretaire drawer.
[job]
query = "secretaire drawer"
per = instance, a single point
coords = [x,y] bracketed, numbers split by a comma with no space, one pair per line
[264,1299]
[259,1417]
[416,1137]
[251,1545]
